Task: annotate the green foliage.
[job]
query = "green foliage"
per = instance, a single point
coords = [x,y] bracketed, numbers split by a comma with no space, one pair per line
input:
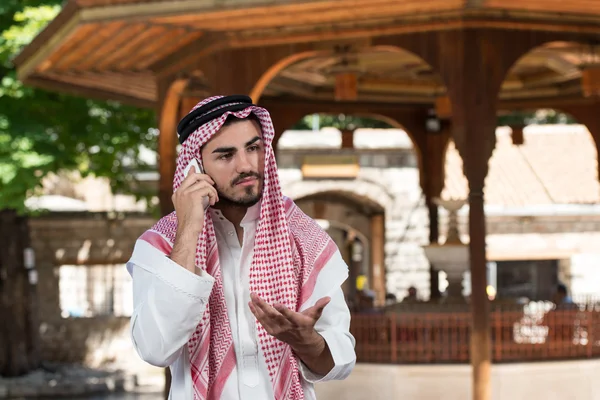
[340,121]
[43,132]
[539,117]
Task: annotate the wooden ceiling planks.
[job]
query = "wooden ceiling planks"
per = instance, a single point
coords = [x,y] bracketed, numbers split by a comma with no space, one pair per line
[123,36]
[89,44]
[132,47]
[181,41]
[69,47]
[158,44]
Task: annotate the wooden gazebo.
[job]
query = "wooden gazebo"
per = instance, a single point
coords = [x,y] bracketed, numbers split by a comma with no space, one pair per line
[466,60]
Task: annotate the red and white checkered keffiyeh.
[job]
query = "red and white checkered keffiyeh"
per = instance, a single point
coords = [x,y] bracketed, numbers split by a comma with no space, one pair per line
[290,250]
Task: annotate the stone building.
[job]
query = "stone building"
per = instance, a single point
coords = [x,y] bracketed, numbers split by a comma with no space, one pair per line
[543,222]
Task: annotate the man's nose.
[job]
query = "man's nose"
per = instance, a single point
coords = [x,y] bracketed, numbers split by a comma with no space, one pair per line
[244,163]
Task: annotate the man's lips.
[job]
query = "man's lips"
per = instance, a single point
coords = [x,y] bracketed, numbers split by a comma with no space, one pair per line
[247,181]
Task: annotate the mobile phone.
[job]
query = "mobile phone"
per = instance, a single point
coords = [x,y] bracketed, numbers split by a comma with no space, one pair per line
[194,164]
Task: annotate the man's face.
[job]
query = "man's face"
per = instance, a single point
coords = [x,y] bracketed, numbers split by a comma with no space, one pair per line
[235,159]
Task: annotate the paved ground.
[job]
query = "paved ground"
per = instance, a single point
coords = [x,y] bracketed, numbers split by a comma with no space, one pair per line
[127,396]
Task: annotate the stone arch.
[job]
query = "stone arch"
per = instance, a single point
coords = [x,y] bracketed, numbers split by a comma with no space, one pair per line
[363,191]
[354,222]
[350,210]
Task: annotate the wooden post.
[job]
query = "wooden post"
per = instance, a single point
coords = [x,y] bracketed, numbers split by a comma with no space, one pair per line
[378,258]
[474,79]
[433,184]
[480,331]
[434,282]
[19,330]
[168,112]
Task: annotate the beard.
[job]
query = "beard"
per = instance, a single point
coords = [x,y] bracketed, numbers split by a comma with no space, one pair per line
[250,197]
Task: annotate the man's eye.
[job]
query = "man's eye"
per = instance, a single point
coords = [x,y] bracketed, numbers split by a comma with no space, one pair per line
[253,148]
[225,156]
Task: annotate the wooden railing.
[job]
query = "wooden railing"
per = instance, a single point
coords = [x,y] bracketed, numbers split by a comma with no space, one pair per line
[443,337]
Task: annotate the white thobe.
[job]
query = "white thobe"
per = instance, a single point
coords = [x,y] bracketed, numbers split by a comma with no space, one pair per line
[169,302]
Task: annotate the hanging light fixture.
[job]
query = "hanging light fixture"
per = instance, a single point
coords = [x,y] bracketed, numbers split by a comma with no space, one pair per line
[517,136]
[443,107]
[590,71]
[346,75]
[346,86]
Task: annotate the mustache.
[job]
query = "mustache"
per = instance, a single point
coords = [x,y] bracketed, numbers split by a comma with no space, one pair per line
[245,175]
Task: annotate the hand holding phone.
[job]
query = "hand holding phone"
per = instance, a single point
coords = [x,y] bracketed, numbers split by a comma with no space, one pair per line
[193,197]
[197,169]
[195,193]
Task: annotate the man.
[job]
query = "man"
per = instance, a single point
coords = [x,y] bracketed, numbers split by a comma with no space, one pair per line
[243,299]
[561,297]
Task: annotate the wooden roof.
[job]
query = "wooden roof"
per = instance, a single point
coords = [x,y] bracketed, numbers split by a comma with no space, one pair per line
[113,49]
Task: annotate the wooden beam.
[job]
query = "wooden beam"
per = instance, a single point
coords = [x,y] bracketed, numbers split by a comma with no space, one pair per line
[87,92]
[343,11]
[441,22]
[539,103]
[27,66]
[310,107]
[559,6]
[141,86]
[59,28]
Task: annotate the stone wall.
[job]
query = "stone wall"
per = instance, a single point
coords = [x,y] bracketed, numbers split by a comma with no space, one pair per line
[80,239]
[562,232]
[395,189]
[100,238]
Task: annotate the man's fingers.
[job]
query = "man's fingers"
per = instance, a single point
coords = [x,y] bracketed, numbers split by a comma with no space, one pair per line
[293,317]
[260,316]
[271,316]
[256,311]
[204,190]
[316,310]
[194,178]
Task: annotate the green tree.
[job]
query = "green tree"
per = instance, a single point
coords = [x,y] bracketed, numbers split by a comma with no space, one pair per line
[43,132]
[537,117]
[40,133]
[340,121]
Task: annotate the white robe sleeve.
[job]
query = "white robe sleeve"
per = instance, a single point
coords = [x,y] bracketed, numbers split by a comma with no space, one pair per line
[334,324]
[168,302]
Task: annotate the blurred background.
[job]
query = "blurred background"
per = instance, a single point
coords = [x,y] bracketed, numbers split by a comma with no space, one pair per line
[449,149]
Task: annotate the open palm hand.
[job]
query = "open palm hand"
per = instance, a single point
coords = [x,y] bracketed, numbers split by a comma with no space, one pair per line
[294,328]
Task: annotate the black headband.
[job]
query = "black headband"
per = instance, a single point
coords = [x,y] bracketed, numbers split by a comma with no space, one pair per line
[207,112]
